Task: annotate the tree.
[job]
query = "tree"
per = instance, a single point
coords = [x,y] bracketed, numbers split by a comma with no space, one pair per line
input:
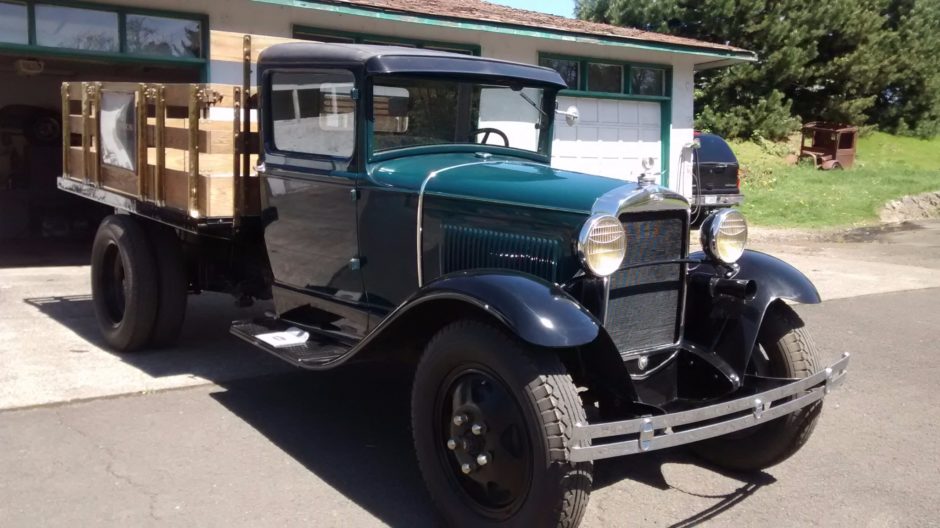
[910,104]
[830,60]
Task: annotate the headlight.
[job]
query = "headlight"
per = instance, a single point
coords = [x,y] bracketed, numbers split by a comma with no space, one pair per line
[602,245]
[724,235]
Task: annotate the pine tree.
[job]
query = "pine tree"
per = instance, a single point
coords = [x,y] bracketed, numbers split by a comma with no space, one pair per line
[856,61]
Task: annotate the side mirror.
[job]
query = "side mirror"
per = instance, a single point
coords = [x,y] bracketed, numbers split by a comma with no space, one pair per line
[571,115]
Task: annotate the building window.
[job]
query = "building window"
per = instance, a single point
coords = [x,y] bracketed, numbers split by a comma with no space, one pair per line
[605,78]
[342,37]
[172,37]
[105,29]
[647,81]
[570,70]
[14,23]
[76,28]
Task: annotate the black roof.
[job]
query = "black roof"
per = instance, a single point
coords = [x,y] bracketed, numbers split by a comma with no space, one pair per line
[395,59]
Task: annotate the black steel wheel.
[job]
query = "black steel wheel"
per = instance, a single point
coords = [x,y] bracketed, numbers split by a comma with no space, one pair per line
[123,283]
[784,349]
[491,419]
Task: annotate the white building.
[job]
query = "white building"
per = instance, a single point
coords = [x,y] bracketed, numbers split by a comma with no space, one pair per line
[633,88]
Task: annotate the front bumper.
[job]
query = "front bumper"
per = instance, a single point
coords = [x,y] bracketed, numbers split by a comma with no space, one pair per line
[659,432]
[717,200]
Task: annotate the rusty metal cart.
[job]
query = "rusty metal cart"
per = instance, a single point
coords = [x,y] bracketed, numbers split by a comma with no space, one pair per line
[829,145]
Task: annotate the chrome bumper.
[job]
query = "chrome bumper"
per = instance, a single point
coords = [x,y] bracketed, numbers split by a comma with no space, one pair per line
[717,200]
[656,432]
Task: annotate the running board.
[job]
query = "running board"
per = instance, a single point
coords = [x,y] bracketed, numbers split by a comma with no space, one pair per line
[317,352]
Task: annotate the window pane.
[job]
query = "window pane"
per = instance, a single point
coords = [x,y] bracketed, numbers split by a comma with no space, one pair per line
[70,27]
[172,37]
[119,130]
[14,24]
[326,38]
[450,50]
[570,70]
[605,78]
[387,43]
[648,81]
[323,119]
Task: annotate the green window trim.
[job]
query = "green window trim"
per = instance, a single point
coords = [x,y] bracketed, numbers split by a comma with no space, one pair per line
[310,32]
[626,83]
[665,100]
[122,55]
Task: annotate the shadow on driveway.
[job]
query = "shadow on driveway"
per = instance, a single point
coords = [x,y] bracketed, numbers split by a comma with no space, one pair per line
[205,348]
[351,427]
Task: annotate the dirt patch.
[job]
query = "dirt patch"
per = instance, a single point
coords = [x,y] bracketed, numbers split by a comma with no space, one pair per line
[917,207]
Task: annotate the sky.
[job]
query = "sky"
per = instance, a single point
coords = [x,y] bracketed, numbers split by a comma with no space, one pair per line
[555,7]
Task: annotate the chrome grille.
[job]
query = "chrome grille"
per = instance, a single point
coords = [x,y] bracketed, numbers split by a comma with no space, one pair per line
[644,303]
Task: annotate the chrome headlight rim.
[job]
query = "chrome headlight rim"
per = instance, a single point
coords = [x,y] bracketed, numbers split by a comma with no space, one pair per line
[711,232]
[584,239]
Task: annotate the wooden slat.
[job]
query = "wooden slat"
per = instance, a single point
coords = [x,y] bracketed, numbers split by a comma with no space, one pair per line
[227,46]
[216,193]
[76,164]
[118,179]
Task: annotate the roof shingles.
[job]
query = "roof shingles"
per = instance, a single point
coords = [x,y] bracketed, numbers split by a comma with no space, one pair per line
[481,11]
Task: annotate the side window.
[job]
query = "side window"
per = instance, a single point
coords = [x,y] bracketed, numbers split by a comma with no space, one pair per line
[313,113]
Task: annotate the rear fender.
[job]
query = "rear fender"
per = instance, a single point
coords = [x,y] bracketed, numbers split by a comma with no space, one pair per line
[776,281]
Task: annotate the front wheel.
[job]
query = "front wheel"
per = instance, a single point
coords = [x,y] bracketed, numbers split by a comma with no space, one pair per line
[784,349]
[492,420]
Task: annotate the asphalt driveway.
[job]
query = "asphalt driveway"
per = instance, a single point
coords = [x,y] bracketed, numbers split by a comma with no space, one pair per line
[214,433]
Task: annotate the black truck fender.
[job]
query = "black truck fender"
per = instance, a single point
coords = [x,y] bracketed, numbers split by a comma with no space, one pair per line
[774,281]
[536,311]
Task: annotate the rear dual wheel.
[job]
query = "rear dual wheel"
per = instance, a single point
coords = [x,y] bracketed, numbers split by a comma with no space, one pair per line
[138,284]
[492,420]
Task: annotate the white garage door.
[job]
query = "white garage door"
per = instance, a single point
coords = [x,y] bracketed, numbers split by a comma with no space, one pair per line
[610,138]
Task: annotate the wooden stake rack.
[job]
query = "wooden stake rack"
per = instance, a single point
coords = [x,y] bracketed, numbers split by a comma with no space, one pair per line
[194,145]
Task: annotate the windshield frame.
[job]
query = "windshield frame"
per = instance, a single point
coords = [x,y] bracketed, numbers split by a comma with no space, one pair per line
[546,131]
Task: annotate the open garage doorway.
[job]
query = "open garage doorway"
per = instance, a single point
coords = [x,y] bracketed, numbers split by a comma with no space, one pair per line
[40,225]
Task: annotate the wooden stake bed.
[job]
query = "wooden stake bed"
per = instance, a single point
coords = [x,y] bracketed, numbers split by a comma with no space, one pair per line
[188,150]
[139,150]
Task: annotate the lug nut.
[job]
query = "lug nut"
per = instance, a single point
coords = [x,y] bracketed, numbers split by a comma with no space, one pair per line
[451,444]
[477,429]
[482,459]
[466,468]
[460,419]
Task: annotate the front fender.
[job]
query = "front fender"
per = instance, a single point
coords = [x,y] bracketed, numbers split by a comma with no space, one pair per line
[775,279]
[537,311]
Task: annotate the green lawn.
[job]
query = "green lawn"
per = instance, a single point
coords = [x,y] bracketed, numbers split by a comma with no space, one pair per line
[888,167]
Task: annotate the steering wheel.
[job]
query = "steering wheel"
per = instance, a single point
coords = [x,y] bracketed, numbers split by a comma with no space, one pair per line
[486,135]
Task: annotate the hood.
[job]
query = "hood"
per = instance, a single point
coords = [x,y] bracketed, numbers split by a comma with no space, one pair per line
[498,178]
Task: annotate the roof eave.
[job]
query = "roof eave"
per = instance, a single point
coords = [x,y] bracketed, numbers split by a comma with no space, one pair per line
[734,56]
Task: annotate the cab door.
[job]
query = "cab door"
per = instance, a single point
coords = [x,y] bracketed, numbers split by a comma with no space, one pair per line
[309,187]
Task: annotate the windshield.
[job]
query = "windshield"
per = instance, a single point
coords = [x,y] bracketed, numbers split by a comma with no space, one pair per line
[412,112]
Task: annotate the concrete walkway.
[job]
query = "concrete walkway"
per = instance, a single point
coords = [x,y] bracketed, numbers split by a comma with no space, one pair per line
[50,350]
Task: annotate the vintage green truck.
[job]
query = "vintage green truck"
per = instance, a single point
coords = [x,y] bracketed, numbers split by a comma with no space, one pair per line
[403,206]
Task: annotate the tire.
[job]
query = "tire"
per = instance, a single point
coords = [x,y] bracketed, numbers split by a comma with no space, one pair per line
[123,283]
[43,130]
[790,353]
[527,404]
[172,286]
